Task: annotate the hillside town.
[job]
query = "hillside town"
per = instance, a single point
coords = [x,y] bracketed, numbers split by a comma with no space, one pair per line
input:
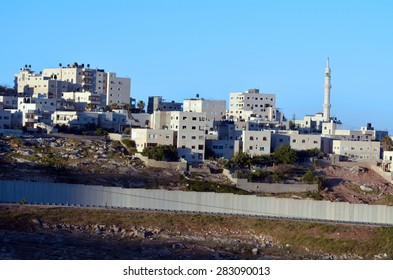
[77,136]
[79,99]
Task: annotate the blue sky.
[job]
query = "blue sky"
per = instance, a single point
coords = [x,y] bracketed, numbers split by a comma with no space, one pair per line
[179,48]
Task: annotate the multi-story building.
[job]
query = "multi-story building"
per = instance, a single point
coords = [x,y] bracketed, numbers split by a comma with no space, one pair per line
[299,141]
[145,137]
[256,143]
[244,105]
[387,162]
[367,133]
[5,119]
[214,109]
[75,119]
[358,150]
[75,77]
[191,131]
[30,84]
[117,89]
[156,103]
[83,99]
[9,102]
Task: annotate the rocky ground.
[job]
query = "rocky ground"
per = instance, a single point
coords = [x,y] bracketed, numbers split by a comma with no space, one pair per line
[356,184]
[28,232]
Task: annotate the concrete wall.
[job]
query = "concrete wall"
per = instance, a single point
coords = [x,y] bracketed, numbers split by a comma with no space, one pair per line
[182,165]
[267,187]
[199,202]
[274,188]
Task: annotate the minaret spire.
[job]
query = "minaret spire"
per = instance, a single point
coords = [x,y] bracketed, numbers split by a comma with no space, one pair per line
[326,99]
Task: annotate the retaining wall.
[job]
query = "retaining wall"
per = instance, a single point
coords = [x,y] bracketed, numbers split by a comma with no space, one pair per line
[200,202]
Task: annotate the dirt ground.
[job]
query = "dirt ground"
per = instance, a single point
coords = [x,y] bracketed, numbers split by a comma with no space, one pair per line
[343,184]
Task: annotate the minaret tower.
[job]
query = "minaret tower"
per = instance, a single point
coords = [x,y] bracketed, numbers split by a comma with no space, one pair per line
[326,99]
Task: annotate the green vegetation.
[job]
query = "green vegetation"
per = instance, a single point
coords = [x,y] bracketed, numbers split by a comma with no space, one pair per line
[130,145]
[161,153]
[16,142]
[387,143]
[201,185]
[285,154]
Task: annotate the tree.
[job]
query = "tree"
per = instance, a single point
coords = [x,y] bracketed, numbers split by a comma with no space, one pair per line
[127,107]
[161,153]
[113,106]
[291,125]
[130,145]
[140,105]
[242,159]
[285,154]
[387,143]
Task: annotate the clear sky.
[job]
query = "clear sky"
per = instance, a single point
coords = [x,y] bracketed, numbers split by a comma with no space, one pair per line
[179,48]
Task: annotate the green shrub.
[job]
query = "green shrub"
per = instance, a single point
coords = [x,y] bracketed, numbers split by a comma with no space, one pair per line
[161,153]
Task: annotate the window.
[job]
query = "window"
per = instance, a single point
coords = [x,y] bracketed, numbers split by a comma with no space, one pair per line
[200,147]
[194,118]
[264,139]
[184,127]
[193,127]
[183,137]
[303,141]
[251,138]
[262,149]
[250,147]
[193,137]
[293,140]
[192,147]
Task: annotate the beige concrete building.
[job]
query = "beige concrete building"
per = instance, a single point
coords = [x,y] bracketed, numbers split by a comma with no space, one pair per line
[244,105]
[145,137]
[387,162]
[52,82]
[358,150]
[118,89]
[39,86]
[256,142]
[367,133]
[191,131]
[82,99]
[300,141]
[74,119]
[215,109]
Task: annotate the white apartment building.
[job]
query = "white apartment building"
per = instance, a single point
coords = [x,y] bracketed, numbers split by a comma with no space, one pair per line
[145,137]
[54,81]
[82,99]
[191,132]
[74,119]
[215,109]
[244,105]
[112,121]
[300,141]
[358,150]
[367,133]
[39,86]
[118,89]
[387,162]
[36,110]
[256,143]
